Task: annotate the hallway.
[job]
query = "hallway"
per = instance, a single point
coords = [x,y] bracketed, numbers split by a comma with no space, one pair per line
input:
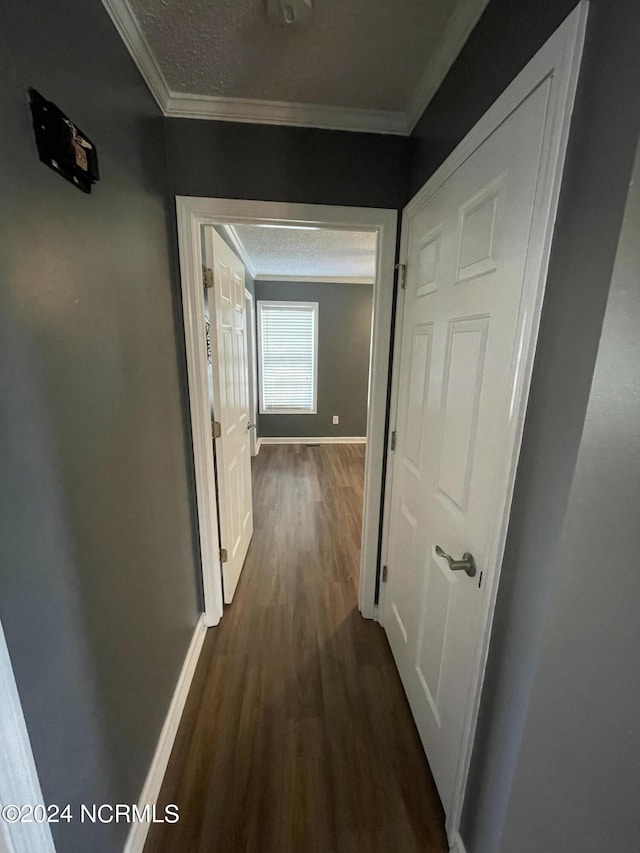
[297,735]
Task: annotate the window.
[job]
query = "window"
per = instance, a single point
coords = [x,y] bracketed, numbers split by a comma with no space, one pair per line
[288,347]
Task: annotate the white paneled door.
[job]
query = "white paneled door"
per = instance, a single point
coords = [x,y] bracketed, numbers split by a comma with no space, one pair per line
[230,405]
[461,331]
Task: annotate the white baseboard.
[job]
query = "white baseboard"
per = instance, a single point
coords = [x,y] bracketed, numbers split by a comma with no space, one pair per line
[258,445]
[457,846]
[151,789]
[325,439]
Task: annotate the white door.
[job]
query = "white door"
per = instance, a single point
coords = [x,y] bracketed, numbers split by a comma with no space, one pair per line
[466,254]
[230,391]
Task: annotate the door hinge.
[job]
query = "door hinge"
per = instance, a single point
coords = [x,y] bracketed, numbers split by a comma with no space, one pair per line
[223,555]
[402,275]
[384,574]
[207,277]
[393,440]
[216,429]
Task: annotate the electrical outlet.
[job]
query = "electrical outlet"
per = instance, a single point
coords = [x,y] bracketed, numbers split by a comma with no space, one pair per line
[336,419]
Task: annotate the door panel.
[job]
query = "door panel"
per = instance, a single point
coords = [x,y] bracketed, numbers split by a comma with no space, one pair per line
[433,630]
[466,253]
[417,395]
[477,229]
[464,370]
[230,405]
[428,263]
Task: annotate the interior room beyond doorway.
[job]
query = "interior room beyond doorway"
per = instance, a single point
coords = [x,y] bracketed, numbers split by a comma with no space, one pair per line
[197,216]
[312,290]
[288,358]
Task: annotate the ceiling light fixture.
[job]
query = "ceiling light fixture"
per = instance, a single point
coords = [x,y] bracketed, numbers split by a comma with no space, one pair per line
[286,13]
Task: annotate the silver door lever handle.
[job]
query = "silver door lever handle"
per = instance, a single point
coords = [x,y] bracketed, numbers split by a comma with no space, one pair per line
[466,564]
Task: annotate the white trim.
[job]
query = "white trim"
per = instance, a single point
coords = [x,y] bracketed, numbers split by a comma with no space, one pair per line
[465,16]
[151,788]
[291,410]
[457,845]
[199,405]
[246,110]
[240,248]
[320,279]
[325,439]
[192,213]
[136,43]
[252,363]
[559,61]
[19,783]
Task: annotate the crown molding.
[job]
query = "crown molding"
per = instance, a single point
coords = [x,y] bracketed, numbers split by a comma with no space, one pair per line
[136,43]
[465,16]
[245,110]
[287,113]
[320,279]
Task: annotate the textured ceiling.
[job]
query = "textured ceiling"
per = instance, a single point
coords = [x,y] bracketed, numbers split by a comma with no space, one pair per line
[308,252]
[366,54]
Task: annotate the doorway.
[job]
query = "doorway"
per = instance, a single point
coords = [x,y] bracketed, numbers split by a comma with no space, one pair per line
[310,352]
[195,213]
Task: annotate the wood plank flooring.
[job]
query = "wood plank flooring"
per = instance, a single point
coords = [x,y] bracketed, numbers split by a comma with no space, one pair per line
[297,735]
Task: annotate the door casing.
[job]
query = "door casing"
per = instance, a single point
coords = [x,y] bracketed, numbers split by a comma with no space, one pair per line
[558,60]
[192,214]
[252,363]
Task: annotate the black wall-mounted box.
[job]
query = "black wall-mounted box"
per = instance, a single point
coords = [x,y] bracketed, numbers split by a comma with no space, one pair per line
[62,145]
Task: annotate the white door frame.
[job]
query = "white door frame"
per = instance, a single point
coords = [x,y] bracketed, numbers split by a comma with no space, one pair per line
[559,59]
[19,783]
[252,362]
[194,212]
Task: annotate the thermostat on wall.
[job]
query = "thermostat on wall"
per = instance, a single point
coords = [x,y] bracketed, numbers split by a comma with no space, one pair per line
[62,145]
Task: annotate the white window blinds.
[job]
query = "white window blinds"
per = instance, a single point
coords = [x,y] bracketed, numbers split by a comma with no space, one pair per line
[288,346]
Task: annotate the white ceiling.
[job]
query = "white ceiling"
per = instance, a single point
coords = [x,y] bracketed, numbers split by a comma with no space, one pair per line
[306,253]
[356,65]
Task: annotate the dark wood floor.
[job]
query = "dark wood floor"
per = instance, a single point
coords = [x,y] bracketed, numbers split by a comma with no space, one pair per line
[297,735]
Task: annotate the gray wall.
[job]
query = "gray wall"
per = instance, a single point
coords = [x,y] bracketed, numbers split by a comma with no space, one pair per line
[507,35]
[98,593]
[272,163]
[344,334]
[577,777]
[599,162]
[98,588]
